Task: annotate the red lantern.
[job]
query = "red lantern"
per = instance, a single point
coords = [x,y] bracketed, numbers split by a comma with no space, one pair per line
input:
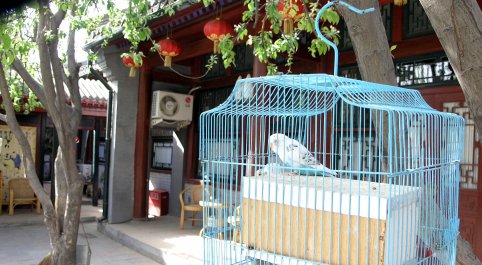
[169,48]
[216,30]
[290,10]
[129,62]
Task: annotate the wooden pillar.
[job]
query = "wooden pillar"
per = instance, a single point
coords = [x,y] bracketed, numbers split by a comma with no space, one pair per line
[259,68]
[191,156]
[141,149]
[397,25]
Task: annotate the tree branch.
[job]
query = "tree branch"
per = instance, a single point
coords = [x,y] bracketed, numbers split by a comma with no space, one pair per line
[60,187]
[67,80]
[71,116]
[307,15]
[57,71]
[35,86]
[45,68]
[256,14]
[73,68]
[58,18]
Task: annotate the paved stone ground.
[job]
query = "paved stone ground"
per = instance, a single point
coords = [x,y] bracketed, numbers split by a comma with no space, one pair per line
[28,244]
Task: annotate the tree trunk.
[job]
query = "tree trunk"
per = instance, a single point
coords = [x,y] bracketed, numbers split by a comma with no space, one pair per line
[63,252]
[458,25]
[465,253]
[376,65]
[370,42]
[62,220]
[373,56]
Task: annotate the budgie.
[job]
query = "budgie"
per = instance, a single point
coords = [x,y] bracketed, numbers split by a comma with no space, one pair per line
[295,155]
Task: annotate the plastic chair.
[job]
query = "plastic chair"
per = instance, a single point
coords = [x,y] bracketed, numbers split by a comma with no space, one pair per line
[20,193]
[192,205]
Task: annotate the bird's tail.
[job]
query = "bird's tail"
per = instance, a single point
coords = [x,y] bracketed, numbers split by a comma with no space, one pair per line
[319,170]
[322,170]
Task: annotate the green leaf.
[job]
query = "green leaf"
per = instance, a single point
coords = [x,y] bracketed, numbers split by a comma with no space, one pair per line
[142,35]
[155,47]
[6,41]
[226,46]
[10,57]
[272,69]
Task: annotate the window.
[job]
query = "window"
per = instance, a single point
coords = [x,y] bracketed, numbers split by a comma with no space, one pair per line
[162,154]
[243,58]
[212,98]
[221,151]
[429,69]
[418,71]
[416,22]
[102,152]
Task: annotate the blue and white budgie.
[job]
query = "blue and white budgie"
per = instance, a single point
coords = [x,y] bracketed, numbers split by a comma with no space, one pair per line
[294,154]
[275,169]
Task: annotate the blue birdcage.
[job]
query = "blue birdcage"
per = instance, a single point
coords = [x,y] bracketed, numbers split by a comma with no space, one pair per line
[320,169]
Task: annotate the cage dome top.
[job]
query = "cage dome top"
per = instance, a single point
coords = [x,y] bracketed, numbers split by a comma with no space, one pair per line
[311,94]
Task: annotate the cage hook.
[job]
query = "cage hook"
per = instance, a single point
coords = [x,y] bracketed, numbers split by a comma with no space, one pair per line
[317,26]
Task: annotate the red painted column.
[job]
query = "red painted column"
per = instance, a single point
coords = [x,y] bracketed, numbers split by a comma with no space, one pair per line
[191,156]
[259,68]
[142,135]
[397,24]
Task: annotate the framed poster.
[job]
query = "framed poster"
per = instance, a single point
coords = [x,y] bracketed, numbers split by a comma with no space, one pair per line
[162,153]
[11,158]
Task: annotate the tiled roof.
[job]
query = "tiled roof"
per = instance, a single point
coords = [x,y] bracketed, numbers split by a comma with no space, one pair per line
[94,94]
[173,23]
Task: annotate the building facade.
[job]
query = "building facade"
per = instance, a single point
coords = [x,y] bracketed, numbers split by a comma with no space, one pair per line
[165,157]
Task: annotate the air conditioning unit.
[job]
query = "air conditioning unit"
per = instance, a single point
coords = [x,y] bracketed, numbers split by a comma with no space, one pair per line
[169,106]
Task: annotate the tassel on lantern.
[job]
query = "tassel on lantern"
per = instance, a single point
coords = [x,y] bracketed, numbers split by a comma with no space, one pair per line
[288,25]
[290,11]
[169,48]
[167,61]
[129,62]
[216,47]
[400,2]
[132,72]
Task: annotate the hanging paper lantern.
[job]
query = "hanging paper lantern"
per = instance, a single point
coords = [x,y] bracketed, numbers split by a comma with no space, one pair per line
[216,30]
[290,10]
[169,48]
[128,61]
